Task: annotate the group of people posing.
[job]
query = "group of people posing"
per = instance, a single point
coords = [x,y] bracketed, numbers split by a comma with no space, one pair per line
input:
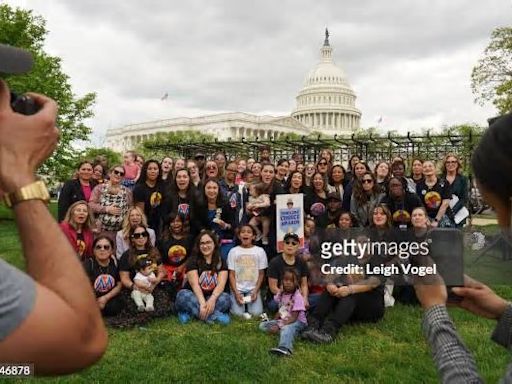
[197,236]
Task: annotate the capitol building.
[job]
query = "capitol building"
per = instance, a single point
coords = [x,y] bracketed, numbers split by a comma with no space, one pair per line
[326,104]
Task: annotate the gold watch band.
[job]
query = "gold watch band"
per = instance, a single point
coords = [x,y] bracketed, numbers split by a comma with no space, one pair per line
[33,191]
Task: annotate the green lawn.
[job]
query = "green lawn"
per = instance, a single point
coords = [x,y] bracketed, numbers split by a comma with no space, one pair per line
[392,351]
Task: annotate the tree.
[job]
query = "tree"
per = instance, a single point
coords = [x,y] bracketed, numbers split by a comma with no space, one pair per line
[113,157]
[491,79]
[171,143]
[21,28]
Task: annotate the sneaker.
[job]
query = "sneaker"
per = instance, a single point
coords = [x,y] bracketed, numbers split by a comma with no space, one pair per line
[264,240]
[141,308]
[183,317]
[306,334]
[280,351]
[320,337]
[246,316]
[150,308]
[221,318]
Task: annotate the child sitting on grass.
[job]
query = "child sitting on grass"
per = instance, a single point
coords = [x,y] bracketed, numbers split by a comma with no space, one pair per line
[143,281]
[290,319]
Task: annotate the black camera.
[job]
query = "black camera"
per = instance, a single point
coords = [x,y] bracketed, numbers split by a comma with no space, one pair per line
[23,104]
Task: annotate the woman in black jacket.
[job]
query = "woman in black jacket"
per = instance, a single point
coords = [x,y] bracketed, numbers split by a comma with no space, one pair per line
[76,189]
[217,214]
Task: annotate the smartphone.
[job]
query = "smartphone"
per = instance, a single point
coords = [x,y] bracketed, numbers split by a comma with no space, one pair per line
[447,252]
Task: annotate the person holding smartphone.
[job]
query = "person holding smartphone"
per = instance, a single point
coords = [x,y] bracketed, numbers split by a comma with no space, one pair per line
[454,362]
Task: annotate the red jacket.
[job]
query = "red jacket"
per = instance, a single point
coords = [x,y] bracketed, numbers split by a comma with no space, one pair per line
[71,234]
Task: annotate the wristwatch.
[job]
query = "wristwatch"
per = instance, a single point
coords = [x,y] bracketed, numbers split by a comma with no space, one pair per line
[33,191]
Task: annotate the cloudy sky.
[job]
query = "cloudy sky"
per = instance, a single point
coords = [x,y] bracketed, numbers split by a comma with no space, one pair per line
[408,61]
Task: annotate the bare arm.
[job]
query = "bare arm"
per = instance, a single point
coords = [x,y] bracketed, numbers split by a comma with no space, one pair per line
[304,290]
[94,201]
[64,331]
[442,209]
[272,285]
[193,280]
[261,276]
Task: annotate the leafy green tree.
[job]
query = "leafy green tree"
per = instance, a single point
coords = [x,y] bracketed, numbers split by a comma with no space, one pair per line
[113,157]
[491,79]
[171,143]
[21,28]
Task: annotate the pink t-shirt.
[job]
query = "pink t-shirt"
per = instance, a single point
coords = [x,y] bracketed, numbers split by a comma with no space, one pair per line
[289,303]
[86,189]
[130,171]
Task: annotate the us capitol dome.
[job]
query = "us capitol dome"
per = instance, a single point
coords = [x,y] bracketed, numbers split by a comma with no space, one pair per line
[326,104]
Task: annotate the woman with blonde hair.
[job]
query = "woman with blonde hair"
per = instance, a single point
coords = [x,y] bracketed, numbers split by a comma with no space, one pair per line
[110,201]
[77,226]
[459,185]
[133,217]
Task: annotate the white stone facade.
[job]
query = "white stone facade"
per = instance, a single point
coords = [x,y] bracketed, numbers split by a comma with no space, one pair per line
[235,126]
[326,104]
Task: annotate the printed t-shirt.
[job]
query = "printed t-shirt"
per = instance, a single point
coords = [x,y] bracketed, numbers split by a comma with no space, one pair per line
[208,278]
[103,279]
[433,197]
[289,303]
[247,262]
[277,266]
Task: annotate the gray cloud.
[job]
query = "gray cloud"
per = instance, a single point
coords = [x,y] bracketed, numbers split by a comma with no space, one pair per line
[253,56]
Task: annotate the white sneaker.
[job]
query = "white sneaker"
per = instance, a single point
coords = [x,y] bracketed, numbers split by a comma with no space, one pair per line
[150,308]
[264,240]
[246,315]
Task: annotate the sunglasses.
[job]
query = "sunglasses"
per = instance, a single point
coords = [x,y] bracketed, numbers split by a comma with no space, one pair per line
[211,167]
[291,242]
[118,173]
[451,162]
[322,163]
[139,235]
[106,247]
[367,181]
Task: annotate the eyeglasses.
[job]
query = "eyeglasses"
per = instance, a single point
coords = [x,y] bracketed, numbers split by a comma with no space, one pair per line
[291,242]
[106,247]
[367,181]
[139,235]
[207,242]
[118,173]
[451,162]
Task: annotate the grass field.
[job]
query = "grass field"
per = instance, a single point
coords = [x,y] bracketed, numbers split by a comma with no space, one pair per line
[392,351]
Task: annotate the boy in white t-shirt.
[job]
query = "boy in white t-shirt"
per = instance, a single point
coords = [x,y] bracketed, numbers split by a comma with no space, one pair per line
[246,264]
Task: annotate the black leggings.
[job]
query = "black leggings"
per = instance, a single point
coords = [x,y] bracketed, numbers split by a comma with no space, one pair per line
[331,312]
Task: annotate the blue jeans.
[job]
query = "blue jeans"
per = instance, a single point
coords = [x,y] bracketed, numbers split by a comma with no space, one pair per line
[186,301]
[287,334]
[255,308]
